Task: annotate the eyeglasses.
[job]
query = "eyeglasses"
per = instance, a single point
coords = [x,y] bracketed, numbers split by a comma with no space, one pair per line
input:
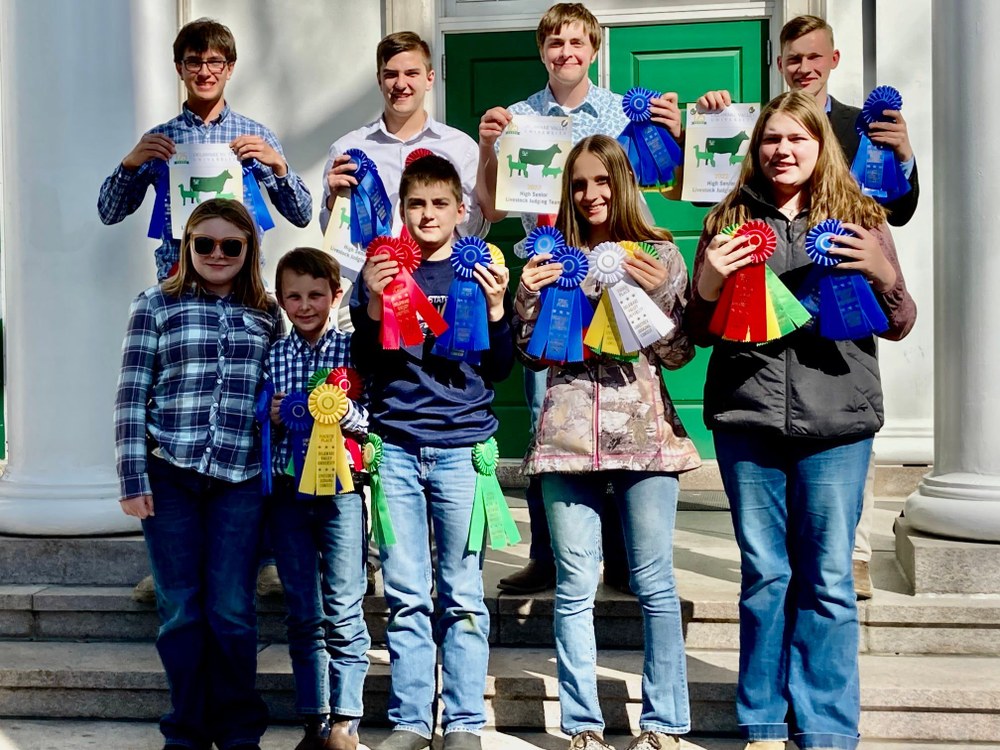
[215,65]
[205,245]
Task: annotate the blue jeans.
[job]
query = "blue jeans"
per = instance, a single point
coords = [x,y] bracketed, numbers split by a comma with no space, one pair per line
[443,480]
[203,544]
[647,505]
[320,548]
[541,543]
[795,505]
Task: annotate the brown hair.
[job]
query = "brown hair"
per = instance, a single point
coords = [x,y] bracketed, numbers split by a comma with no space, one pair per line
[561,14]
[308,261]
[625,217]
[401,41]
[248,286]
[201,36]
[430,170]
[800,26]
[832,191]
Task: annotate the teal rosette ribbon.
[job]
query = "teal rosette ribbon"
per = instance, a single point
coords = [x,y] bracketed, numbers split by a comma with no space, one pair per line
[370,208]
[876,167]
[842,301]
[491,516]
[466,312]
[566,311]
[651,149]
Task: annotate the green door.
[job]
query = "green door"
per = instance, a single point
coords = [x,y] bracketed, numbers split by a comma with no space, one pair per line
[690,59]
[483,70]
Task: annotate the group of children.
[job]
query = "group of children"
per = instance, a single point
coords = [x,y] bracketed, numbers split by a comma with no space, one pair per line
[793,422]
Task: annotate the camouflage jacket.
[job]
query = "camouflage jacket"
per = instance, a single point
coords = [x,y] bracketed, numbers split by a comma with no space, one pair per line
[603,414]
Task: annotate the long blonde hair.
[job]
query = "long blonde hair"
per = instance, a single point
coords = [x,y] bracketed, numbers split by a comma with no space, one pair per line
[248,286]
[831,191]
[625,217]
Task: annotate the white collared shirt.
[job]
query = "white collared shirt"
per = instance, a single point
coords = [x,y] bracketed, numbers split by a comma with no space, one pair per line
[389,154]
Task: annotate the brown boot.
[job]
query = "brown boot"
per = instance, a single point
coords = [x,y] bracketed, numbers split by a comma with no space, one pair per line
[343,735]
[532,578]
[862,580]
[317,730]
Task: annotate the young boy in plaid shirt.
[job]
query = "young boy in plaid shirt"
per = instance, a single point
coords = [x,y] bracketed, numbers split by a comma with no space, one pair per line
[319,541]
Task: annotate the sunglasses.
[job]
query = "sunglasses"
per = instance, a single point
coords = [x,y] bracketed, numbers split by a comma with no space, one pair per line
[231,246]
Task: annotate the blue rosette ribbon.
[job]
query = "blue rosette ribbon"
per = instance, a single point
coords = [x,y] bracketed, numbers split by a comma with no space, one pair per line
[158,221]
[876,167]
[842,301]
[298,420]
[653,152]
[565,313]
[371,215]
[465,312]
[542,240]
[254,198]
[262,413]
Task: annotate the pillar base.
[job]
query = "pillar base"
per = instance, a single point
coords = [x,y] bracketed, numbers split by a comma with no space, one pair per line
[41,506]
[959,505]
[933,565]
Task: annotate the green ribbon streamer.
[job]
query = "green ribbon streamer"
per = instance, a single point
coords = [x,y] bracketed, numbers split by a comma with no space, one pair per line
[318,378]
[490,513]
[787,309]
[382,532]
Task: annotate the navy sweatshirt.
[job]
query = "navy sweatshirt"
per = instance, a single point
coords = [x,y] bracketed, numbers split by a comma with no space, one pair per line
[416,398]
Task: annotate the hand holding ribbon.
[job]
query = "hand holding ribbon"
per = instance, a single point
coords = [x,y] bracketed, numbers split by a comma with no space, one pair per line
[326,470]
[842,300]
[565,313]
[490,513]
[402,299]
[262,413]
[465,311]
[370,207]
[876,166]
[382,531]
[651,149]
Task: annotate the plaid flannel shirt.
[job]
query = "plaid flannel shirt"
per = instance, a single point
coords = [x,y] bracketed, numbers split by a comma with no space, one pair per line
[191,367]
[124,190]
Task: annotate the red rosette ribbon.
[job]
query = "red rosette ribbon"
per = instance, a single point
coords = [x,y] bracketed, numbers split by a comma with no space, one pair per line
[741,312]
[402,300]
[348,380]
[417,153]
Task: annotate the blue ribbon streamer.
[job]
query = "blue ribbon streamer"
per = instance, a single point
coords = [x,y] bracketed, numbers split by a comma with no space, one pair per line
[842,301]
[158,221]
[466,311]
[652,151]
[257,205]
[370,209]
[298,420]
[262,412]
[566,311]
[876,167]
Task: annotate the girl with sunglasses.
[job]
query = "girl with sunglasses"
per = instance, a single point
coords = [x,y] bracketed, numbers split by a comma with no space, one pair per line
[188,463]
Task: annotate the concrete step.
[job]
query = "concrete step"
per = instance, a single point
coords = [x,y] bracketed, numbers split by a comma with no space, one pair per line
[21,734]
[919,698]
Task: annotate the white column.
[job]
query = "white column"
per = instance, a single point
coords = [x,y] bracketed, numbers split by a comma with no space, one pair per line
[961,498]
[79,83]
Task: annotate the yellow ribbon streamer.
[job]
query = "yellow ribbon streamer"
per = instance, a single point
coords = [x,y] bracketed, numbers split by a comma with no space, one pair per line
[603,336]
[326,458]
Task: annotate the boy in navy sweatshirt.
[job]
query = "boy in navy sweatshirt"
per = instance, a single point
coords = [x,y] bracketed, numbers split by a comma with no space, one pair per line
[430,411]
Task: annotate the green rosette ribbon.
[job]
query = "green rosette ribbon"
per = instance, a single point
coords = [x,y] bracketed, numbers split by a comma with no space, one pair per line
[318,378]
[371,457]
[490,513]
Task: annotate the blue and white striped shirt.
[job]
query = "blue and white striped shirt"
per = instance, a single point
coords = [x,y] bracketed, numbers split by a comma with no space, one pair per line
[191,367]
[123,191]
[292,362]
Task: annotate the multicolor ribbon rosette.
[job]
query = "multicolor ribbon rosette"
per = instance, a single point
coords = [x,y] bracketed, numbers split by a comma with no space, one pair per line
[626,319]
[491,516]
[256,204]
[755,306]
[565,313]
[370,207]
[326,470]
[465,312]
[298,421]
[382,533]
[653,152]
[262,413]
[843,301]
[876,167]
[402,299]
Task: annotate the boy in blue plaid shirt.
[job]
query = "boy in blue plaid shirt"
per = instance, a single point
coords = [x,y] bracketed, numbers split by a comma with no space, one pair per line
[204,56]
[319,541]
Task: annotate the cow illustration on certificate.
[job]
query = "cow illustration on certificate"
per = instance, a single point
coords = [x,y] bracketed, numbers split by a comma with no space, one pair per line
[532,152]
[715,144]
[199,171]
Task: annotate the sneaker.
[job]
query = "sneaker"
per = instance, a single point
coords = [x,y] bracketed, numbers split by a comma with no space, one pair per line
[655,741]
[403,739]
[532,578]
[144,591]
[343,735]
[268,583]
[589,741]
[862,580]
[765,745]
[462,741]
